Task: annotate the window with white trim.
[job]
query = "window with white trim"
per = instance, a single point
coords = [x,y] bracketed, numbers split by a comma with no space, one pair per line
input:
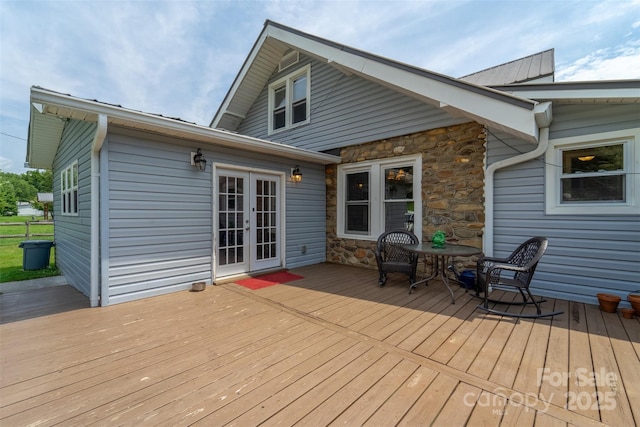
[69,189]
[378,196]
[289,103]
[594,174]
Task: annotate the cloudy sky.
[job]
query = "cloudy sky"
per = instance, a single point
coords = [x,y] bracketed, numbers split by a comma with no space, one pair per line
[178,58]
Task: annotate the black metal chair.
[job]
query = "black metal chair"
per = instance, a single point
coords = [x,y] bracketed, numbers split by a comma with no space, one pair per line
[393,258]
[515,271]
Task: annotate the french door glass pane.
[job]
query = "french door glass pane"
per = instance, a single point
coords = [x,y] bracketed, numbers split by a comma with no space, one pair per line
[230,208]
[265,210]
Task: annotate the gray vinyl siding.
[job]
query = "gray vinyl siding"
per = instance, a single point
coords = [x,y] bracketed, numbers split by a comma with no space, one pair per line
[346,110]
[160,209]
[72,234]
[305,211]
[587,253]
[159,217]
[573,120]
[306,218]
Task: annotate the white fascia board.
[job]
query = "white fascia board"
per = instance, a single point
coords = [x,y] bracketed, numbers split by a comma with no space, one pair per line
[313,47]
[480,107]
[476,102]
[151,122]
[630,95]
[246,66]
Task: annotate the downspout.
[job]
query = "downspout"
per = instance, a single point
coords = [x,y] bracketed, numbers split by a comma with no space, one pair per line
[96,146]
[543,117]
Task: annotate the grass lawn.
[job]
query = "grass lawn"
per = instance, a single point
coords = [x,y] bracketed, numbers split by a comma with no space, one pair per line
[11,254]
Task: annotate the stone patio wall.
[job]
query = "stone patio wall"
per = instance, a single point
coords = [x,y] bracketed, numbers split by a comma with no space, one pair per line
[452,188]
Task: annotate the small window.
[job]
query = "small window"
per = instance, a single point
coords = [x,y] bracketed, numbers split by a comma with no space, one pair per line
[69,189]
[593,174]
[357,203]
[379,196]
[398,198]
[593,177]
[289,101]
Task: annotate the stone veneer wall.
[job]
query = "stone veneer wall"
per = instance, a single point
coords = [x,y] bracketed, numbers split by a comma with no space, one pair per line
[452,188]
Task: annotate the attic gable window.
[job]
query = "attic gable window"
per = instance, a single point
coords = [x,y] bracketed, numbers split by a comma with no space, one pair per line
[289,100]
[69,189]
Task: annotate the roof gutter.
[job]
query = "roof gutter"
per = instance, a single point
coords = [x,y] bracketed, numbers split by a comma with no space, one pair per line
[96,146]
[543,117]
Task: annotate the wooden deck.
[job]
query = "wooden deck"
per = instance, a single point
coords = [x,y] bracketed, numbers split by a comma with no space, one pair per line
[330,349]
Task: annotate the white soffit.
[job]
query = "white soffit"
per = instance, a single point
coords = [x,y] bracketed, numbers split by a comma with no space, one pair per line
[45,129]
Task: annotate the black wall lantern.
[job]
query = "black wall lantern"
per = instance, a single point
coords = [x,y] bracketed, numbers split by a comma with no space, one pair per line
[198,160]
[296,175]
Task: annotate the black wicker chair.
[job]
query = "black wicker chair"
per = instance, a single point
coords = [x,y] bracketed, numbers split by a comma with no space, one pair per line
[393,258]
[516,271]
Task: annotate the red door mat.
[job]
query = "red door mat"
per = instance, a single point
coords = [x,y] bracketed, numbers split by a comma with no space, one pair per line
[268,280]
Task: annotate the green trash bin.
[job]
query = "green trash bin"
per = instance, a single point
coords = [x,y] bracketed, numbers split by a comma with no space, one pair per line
[35,254]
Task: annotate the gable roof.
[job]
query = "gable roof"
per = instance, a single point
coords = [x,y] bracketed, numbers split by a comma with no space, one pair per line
[506,112]
[49,111]
[537,67]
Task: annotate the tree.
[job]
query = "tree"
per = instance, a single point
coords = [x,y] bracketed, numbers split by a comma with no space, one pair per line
[16,188]
[41,180]
[23,190]
[8,201]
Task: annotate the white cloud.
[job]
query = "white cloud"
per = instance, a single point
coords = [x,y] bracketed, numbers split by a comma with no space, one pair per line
[5,164]
[604,64]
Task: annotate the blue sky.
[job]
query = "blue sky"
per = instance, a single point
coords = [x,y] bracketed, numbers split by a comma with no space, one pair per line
[178,58]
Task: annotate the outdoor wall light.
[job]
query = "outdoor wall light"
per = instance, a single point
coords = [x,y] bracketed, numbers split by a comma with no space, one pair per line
[296,175]
[198,160]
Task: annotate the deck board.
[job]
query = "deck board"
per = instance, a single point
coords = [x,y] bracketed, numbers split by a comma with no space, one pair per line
[332,348]
[618,411]
[393,410]
[556,362]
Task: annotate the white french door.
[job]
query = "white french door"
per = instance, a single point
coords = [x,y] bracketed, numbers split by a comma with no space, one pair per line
[249,220]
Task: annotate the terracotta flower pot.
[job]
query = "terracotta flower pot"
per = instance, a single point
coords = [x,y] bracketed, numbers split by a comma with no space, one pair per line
[608,303]
[628,313]
[634,299]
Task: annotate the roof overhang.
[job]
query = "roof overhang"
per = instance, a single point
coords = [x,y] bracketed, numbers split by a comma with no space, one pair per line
[513,114]
[50,110]
[596,92]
